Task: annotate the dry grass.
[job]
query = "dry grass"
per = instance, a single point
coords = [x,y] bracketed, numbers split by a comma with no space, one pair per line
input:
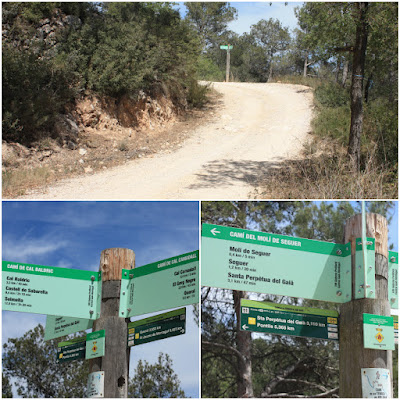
[325,172]
[16,182]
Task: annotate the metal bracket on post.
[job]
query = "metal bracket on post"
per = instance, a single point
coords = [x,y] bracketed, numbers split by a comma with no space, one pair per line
[393,274]
[365,270]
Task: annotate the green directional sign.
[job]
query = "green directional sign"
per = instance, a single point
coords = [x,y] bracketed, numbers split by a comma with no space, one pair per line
[393,282]
[95,344]
[61,326]
[365,269]
[169,283]
[226,47]
[283,319]
[378,332]
[71,350]
[51,290]
[396,328]
[261,262]
[162,326]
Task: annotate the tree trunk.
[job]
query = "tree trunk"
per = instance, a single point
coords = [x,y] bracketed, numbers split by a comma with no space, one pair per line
[345,72]
[360,47]
[305,66]
[243,338]
[367,86]
[338,63]
[243,343]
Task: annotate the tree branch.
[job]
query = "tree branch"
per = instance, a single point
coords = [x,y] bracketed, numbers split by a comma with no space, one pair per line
[223,346]
[328,393]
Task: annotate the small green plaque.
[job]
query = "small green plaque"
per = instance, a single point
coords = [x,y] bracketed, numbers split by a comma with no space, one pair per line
[169,283]
[95,344]
[396,328]
[393,282]
[261,262]
[282,319]
[61,326]
[51,290]
[71,350]
[378,332]
[226,47]
[159,327]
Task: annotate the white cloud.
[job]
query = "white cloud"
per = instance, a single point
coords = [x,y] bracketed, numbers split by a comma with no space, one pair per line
[22,250]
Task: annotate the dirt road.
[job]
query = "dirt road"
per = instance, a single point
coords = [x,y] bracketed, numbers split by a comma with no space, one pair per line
[258,126]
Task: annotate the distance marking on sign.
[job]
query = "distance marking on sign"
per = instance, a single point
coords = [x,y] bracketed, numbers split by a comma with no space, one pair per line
[50,290]
[261,262]
[62,326]
[71,350]
[162,326]
[169,283]
[283,319]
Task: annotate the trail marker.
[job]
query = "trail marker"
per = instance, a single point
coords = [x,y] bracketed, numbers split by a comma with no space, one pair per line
[95,344]
[283,319]
[50,290]
[61,326]
[71,350]
[393,279]
[376,383]
[261,262]
[378,332]
[159,327]
[169,283]
[95,387]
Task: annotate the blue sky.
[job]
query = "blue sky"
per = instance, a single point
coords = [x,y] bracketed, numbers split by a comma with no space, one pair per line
[249,13]
[73,234]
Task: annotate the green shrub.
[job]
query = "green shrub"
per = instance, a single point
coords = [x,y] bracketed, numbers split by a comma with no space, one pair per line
[333,123]
[197,94]
[34,92]
[330,94]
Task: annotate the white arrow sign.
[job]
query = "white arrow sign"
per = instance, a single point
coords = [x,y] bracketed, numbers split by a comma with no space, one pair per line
[244,327]
[214,231]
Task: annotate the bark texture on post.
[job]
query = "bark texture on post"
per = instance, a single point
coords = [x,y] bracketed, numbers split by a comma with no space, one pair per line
[228,64]
[352,355]
[115,363]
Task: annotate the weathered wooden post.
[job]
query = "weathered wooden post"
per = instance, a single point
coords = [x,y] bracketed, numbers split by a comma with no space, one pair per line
[115,363]
[353,355]
[228,63]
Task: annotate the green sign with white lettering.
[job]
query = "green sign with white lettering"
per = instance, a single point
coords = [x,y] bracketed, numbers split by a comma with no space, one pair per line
[71,350]
[51,290]
[283,319]
[261,262]
[226,47]
[162,326]
[169,283]
[61,326]
[393,279]
[396,328]
[378,332]
[95,344]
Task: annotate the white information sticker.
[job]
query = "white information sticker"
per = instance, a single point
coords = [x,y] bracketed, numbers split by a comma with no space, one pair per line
[376,383]
[95,387]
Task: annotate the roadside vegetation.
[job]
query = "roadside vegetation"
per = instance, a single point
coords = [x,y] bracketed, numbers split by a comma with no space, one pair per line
[347,53]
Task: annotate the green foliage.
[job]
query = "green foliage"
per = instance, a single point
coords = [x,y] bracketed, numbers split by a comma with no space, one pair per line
[155,380]
[208,70]
[42,376]
[6,390]
[34,92]
[330,94]
[197,94]
[210,20]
